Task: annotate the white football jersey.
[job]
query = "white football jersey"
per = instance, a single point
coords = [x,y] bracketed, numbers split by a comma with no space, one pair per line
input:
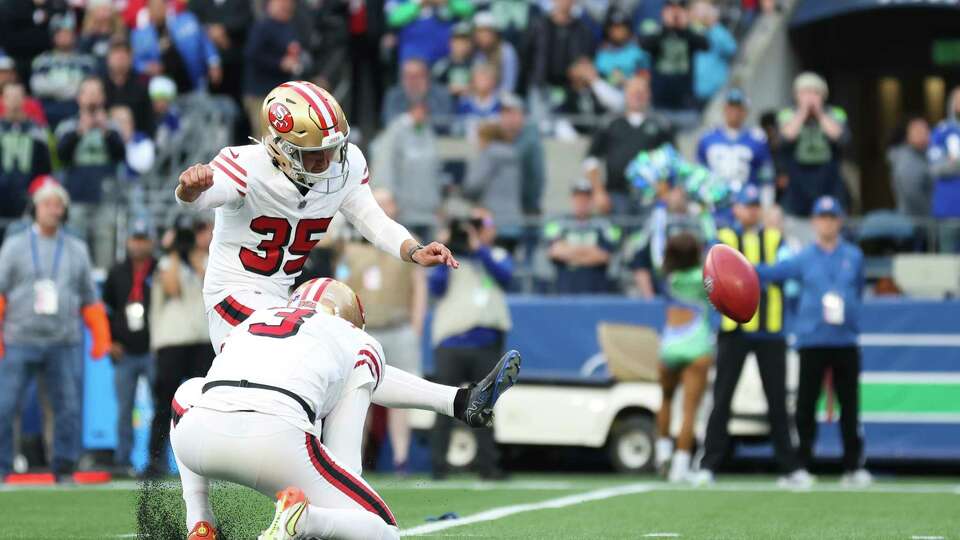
[264,228]
[307,352]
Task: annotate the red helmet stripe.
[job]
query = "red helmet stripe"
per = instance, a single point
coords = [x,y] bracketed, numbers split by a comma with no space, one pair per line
[296,88]
[323,287]
[329,108]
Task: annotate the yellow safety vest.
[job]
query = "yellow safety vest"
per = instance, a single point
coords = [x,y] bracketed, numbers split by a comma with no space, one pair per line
[758,246]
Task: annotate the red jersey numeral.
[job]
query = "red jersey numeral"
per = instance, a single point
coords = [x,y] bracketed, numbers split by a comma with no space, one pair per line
[268,257]
[289,325]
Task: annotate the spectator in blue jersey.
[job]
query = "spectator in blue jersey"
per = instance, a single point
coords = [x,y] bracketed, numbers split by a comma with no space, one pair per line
[453,70]
[944,157]
[736,153]
[482,102]
[24,154]
[166,114]
[712,66]
[581,245]
[672,45]
[176,45]
[813,135]
[57,73]
[827,328]
[423,26]
[470,322]
[619,57]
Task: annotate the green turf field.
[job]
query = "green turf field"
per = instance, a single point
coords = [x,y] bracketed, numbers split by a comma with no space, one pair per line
[529,506]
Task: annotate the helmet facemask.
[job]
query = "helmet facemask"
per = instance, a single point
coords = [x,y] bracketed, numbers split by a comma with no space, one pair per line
[330,180]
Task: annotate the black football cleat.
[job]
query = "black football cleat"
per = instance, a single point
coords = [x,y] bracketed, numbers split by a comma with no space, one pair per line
[482,396]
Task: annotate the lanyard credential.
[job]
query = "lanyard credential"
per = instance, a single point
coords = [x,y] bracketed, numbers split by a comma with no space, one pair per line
[57,252]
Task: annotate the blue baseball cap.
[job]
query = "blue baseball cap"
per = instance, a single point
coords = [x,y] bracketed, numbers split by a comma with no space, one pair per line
[828,206]
[736,96]
[748,195]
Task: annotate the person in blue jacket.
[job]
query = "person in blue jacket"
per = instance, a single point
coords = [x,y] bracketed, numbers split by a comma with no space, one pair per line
[826,327]
[176,45]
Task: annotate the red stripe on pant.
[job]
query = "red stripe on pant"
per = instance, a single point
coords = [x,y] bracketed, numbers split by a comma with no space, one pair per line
[346,482]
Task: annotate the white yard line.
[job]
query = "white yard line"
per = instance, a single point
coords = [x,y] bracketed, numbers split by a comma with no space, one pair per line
[504,511]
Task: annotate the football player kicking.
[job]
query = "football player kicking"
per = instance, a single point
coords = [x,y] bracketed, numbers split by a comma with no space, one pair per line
[256,418]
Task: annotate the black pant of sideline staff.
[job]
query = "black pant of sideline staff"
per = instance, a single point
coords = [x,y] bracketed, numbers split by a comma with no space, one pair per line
[174,365]
[732,350]
[845,363]
[455,366]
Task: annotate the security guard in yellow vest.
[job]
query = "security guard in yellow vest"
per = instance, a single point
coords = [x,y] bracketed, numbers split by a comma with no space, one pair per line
[762,335]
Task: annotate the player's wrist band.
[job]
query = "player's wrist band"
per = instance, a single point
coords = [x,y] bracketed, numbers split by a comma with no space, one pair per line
[413,250]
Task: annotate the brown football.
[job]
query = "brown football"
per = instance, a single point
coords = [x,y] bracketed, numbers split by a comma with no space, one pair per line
[731,283]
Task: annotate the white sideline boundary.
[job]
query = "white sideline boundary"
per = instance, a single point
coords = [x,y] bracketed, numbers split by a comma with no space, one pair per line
[504,511]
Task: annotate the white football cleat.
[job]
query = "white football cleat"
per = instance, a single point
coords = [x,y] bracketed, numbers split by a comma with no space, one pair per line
[856,479]
[292,507]
[701,478]
[798,479]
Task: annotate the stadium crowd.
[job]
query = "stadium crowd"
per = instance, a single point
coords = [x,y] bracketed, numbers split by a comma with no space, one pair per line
[89,96]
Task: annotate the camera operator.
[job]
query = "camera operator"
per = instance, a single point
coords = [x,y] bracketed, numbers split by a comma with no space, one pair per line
[469,324]
[178,324]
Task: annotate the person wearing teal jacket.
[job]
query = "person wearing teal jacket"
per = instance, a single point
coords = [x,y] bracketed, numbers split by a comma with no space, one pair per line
[687,346]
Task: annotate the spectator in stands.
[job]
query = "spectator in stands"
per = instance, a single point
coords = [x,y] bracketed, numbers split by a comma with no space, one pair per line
[122,87]
[827,328]
[764,336]
[586,98]
[618,143]
[274,55]
[494,182]
[412,169]
[514,20]
[944,157]
[686,350]
[492,50]
[57,73]
[395,298]
[736,153]
[415,86]
[24,154]
[525,138]
[178,329]
[673,46]
[32,108]
[25,27]
[46,291]
[174,44]
[581,245]
[470,322]
[812,136]
[558,40]
[453,71]
[90,149]
[100,25]
[619,57]
[423,26]
[139,149]
[771,129]
[126,293]
[166,115]
[481,103]
[910,178]
[227,23]
[712,66]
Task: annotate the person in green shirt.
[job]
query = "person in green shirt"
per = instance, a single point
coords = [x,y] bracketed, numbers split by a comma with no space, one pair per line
[686,349]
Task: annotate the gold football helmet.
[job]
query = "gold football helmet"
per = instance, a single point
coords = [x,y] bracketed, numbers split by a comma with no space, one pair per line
[332,296]
[301,120]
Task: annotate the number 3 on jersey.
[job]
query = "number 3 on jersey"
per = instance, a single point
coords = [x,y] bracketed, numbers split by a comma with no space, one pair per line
[277,233]
[289,325]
